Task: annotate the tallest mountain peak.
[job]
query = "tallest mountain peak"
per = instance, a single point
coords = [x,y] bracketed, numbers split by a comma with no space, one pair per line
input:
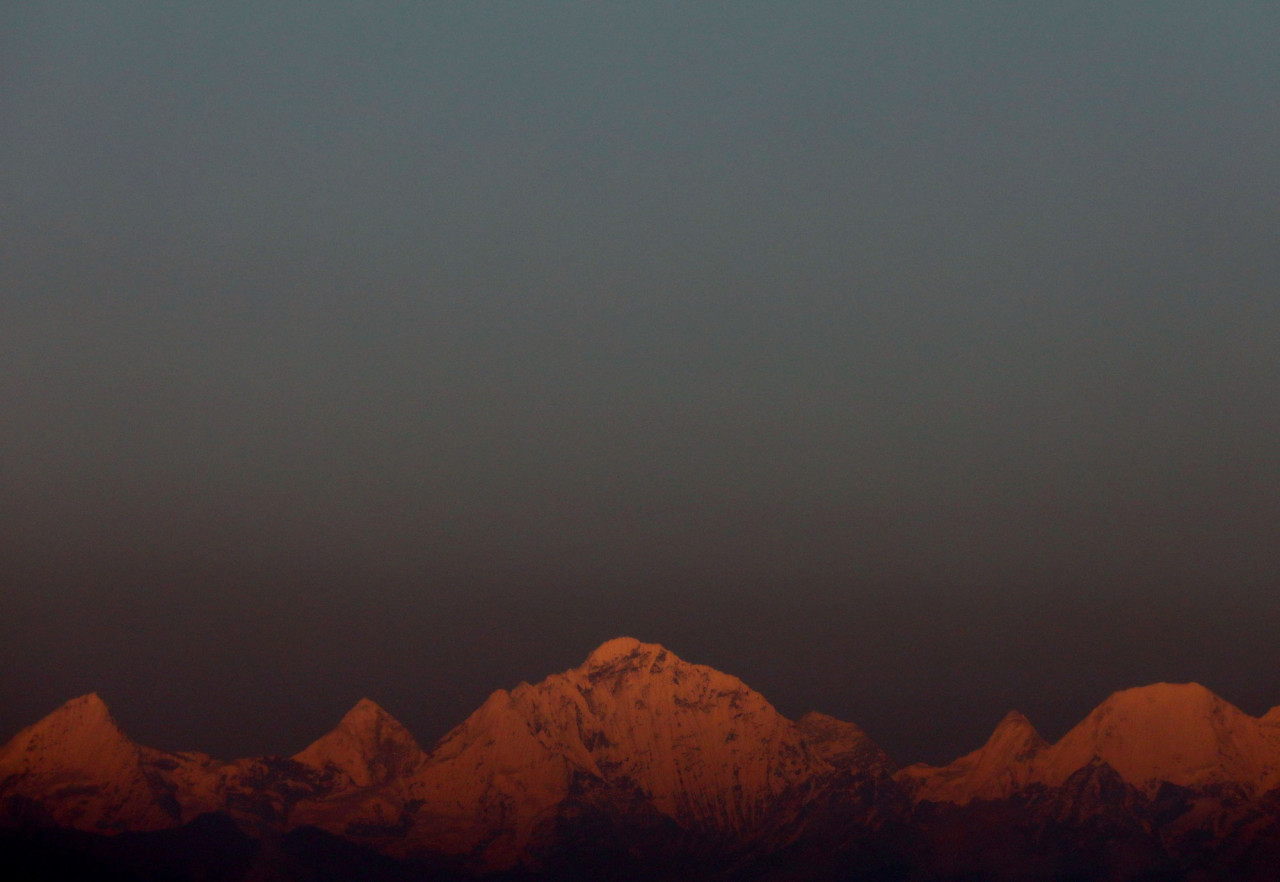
[626,659]
[697,746]
[620,648]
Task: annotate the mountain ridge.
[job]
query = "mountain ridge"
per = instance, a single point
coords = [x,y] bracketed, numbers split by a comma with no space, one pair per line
[638,755]
[1164,733]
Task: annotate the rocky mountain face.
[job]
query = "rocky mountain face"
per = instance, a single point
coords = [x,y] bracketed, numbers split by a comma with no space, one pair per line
[1006,764]
[639,764]
[634,733]
[76,768]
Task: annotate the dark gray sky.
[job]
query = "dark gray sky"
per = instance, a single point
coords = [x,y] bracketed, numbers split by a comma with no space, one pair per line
[911,363]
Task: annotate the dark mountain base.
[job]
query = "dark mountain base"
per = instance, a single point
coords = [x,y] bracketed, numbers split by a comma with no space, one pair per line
[209,849]
[974,845]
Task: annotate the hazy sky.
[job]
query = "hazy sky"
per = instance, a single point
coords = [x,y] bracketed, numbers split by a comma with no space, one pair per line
[913,362]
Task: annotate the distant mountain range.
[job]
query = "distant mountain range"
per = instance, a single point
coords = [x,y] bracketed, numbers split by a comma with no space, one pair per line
[639,765]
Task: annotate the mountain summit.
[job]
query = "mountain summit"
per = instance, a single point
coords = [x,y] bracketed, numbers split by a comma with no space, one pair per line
[1181,734]
[369,746]
[80,770]
[1007,763]
[666,738]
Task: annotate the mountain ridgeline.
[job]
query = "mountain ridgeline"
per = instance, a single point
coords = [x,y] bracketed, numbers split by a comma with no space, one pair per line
[640,765]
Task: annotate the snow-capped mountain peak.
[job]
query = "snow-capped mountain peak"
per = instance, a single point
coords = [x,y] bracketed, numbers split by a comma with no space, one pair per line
[1015,737]
[691,743]
[1006,763]
[368,746]
[1176,732]
[88,773]
[612,651]
[80,734]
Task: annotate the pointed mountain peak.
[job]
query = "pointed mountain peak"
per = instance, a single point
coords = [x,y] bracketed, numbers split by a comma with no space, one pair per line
[83,717]
[79,735]
[85,773]
[364,713]
[86,709]
[1015,723]
[1014,739]
[1271,717]
[1015,720]
[1005,764]
[368,745]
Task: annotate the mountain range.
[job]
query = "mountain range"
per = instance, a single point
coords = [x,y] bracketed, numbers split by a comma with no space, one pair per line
[640,765]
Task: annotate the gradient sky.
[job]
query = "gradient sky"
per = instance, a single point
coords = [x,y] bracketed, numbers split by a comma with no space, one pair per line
[913,362]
